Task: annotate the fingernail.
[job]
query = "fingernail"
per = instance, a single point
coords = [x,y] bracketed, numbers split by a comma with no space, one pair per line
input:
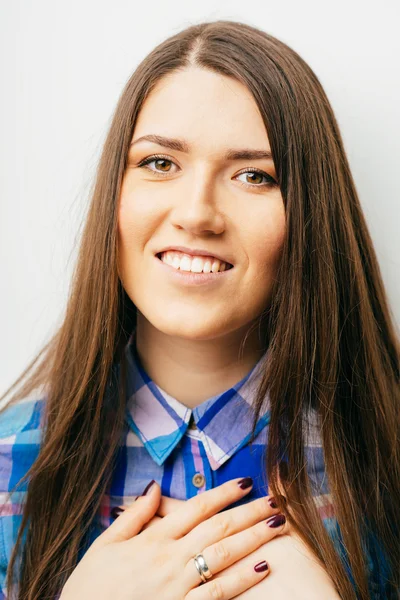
[261,566]
[245,483]
[273,503]
[276,520]
[146,489]
[116,511]
[148,486]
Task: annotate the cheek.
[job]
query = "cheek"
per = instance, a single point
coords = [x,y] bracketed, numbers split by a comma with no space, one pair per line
[136,222]
[126,235]
[129,240]
[265,247]
[128,218]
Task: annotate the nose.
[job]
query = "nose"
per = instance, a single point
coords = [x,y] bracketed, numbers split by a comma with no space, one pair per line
[196,205]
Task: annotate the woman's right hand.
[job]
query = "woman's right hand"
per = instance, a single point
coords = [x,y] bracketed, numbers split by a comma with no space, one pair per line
[127,563]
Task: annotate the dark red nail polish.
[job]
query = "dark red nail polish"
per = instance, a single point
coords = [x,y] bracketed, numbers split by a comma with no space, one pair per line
[273,503]
[261,566]
[148,486]
[116,511]
[276,520]
[245,483]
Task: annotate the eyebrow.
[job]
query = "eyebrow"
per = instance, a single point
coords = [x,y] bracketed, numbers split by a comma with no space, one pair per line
[183,146]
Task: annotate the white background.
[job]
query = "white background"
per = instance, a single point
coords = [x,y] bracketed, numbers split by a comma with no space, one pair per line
[63,66]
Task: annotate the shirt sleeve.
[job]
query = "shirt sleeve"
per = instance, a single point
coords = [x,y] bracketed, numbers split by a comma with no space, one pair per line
[378,566]
[379,575]
[19,445]
[3,565]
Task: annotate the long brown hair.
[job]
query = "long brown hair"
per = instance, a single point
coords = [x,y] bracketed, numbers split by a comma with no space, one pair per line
[333,346]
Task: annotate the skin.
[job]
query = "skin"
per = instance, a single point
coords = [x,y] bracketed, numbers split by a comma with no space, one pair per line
[188,338]
[295,573]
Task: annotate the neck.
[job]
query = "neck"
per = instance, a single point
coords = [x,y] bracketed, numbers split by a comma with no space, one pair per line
[194,370]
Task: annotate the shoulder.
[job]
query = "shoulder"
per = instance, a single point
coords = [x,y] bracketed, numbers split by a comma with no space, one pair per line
[21,416]
[20,435]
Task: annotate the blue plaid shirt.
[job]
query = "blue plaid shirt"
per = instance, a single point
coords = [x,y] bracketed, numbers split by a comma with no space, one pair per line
[187,451]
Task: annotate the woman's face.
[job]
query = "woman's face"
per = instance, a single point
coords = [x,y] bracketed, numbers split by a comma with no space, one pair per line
[198,198]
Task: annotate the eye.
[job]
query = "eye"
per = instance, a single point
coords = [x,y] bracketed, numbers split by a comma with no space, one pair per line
[165,162]
[156,158]
[270,181]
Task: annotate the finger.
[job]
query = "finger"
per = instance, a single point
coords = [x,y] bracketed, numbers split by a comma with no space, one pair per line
[225,552]
[230,586]
[166,505]
[131,520]
[227,523]
[278,501]
[152,522]
[201,507]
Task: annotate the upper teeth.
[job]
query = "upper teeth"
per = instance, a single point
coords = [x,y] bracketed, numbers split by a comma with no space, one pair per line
[195,264]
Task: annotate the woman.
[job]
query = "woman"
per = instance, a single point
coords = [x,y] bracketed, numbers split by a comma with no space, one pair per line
[281,365]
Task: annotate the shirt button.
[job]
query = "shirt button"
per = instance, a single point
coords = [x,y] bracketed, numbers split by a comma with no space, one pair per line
[198,480]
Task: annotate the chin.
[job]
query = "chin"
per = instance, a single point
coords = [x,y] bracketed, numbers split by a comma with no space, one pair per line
[190,327]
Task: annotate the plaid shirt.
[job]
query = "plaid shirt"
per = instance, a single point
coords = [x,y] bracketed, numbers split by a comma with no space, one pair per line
[186,451]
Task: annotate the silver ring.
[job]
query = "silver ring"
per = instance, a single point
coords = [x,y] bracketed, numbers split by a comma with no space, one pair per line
[202,567]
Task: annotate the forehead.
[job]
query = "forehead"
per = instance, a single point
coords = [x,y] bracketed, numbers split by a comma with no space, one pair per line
[210,110]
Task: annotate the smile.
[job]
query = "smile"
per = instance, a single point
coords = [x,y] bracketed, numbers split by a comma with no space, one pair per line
[187,276]
[194,264]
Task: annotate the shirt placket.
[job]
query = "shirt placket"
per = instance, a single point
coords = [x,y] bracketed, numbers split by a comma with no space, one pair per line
[199,478]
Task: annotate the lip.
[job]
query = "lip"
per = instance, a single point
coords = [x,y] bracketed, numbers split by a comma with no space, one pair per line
[196,279]
[195,252]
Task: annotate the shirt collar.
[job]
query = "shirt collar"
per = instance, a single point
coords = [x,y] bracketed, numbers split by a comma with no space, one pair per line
[224,421]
